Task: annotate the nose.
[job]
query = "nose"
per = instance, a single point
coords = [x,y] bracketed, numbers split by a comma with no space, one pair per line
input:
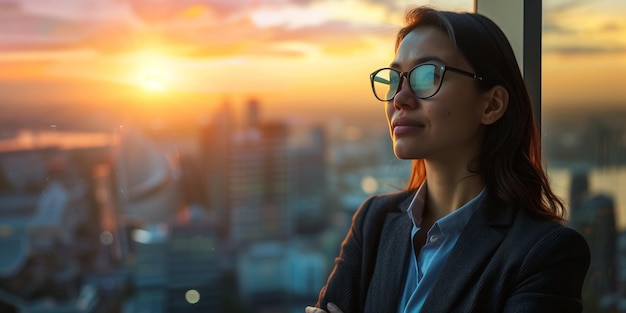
[405,99]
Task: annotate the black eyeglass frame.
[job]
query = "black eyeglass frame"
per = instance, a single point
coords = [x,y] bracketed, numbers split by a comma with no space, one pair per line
[406,75]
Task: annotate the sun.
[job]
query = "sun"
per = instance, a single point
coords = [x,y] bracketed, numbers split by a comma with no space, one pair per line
[153,79]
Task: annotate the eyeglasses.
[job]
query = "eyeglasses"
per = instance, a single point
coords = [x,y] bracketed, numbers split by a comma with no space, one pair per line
[424,80]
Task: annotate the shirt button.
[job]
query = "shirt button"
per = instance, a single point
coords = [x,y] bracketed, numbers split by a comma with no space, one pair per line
[433,238]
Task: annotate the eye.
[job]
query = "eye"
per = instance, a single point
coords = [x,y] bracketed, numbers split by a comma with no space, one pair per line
[424,77]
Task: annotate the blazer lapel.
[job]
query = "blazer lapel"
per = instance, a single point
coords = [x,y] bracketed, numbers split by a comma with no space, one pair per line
[480,238]
[390,271]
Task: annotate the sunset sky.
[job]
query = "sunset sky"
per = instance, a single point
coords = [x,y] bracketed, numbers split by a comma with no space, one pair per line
[297,57]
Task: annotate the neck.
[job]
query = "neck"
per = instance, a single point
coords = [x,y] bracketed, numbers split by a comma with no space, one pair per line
[449,188]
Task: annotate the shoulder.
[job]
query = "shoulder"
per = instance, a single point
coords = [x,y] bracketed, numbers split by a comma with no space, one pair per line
[386,203]
[545,264]
[521,224]
[535,249]
[554,236]
[373,210]
[393,199]
[547,239]
[540,227]
[530,236]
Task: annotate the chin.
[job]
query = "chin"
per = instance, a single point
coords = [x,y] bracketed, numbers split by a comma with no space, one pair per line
[405,157]
[407,149]
[403,154]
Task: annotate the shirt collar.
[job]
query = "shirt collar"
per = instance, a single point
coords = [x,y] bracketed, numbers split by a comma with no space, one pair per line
[416,208]
[451,223]
[454,223]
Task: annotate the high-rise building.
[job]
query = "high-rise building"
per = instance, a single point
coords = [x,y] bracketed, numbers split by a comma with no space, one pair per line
[246,172]
[308,194]
[216,149]
[258,187]
[593,215]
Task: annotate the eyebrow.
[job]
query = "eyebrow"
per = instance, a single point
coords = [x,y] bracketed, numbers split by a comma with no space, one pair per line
[418,61]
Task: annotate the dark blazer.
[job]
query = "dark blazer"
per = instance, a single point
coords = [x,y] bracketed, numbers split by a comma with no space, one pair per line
[504,261]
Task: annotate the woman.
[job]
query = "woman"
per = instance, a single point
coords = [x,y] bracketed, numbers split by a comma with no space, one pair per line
[479,229]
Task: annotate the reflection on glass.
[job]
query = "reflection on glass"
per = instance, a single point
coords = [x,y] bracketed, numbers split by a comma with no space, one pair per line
[583,127]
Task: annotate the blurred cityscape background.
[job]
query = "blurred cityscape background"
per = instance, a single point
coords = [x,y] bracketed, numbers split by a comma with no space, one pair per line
[207,155]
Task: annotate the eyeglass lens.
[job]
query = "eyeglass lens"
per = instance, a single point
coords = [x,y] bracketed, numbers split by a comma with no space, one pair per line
[424,81]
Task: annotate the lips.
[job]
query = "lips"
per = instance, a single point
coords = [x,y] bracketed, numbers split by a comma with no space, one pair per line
[403,125]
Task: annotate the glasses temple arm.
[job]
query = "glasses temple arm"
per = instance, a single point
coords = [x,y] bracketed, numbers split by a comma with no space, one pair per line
[381,80]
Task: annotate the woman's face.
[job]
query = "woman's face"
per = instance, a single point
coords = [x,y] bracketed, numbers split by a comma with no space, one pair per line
[446,126]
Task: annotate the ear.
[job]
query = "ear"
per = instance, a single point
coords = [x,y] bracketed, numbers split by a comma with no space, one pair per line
[496,102]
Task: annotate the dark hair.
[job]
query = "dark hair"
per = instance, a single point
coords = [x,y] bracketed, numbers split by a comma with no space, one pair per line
[510,158]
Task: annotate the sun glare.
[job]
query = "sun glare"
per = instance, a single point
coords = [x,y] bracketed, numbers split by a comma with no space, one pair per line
[153,79]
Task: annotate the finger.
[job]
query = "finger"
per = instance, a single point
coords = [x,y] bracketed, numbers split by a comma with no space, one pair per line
[310,309]
[333,308]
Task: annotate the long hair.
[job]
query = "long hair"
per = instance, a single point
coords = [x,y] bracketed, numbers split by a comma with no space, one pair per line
[510,158]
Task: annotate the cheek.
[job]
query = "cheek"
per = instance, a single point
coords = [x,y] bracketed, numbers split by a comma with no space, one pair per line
[457,122]
[389,112]
[443,116]
[447,120]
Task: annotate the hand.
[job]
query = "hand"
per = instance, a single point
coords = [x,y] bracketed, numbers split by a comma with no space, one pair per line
[331,307]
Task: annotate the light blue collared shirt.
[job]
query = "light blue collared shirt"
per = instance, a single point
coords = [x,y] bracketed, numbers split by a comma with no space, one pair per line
[441,238]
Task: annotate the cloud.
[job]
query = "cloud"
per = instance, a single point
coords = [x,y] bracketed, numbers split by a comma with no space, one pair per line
[80,10]
[30,28]
[585,50]
[205,28]
[612,26]
[193,28]
[271,30]
[338,37]
[584,28]
[554,13]
[559,7]
[160,12]
[551,27]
